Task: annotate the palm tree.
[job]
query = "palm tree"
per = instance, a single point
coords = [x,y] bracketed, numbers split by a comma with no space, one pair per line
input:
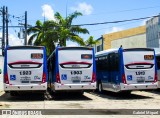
[42,35]
[50,36]
[37,33]
[90,41]
[49,32]
[66,31]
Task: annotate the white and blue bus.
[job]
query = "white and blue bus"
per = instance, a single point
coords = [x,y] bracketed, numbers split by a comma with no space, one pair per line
[72,69]
[25,69]
[126,69]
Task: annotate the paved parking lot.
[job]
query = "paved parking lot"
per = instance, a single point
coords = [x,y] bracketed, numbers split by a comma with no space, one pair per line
[90,100]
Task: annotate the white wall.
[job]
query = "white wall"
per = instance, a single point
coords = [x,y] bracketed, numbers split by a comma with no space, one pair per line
[152,32]
[137,41]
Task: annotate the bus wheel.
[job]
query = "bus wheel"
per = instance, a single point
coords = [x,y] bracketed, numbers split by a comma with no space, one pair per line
[100,89]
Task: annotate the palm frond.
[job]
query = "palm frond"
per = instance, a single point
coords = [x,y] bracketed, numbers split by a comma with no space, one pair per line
[59,19]
[40,36]
[77,29]
[39,23]
[77,39]
[32,30]
[90,41]
[30,41]
[72,16]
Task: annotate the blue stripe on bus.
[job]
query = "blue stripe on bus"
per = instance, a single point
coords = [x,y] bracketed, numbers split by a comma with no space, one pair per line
[5,62]
[57,66]
[120,52]
[94,64]
[155,62]
[45,63]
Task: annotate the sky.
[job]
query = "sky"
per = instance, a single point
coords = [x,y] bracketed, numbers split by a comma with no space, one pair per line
[94,11]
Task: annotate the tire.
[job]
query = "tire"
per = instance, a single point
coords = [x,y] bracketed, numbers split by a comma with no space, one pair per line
[100,89]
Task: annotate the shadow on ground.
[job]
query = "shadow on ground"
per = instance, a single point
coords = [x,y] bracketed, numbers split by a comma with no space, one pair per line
[120,96]
[157,91]
[66,96]
[6,97]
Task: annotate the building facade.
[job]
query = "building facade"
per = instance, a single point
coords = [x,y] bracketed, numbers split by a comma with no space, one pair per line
[99,46]
[130,38]
[153,32]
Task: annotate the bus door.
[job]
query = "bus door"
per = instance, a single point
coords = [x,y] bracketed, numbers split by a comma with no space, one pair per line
[102,70]
[114,67]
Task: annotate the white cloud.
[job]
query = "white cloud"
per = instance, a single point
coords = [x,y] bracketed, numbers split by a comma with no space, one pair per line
[143,22]
[48,12]
[84,8]
[71,44]
[114,29]
[14,40]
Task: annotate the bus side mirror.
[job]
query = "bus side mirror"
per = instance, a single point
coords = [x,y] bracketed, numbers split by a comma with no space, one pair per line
[0,71]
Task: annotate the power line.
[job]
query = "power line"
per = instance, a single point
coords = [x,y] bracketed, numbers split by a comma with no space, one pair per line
[116,21]
[113,26]
[111,22]
[126,10]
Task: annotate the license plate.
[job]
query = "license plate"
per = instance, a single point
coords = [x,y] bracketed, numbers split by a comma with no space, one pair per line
[24,81]
[76,79]
[75,66]
[25,78]
[140,79]
[36,82]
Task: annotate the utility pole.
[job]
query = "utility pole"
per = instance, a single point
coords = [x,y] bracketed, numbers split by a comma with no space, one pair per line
[25,25]
[7,41]
[3,30]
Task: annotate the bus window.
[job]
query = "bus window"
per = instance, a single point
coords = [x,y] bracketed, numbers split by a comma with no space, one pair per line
[158,62]
[114,62]
[111,61]
[102,63]
[116,66]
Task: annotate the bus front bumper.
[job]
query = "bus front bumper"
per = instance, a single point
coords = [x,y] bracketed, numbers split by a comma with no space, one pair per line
[74,87]
[34,87]
[144,86]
